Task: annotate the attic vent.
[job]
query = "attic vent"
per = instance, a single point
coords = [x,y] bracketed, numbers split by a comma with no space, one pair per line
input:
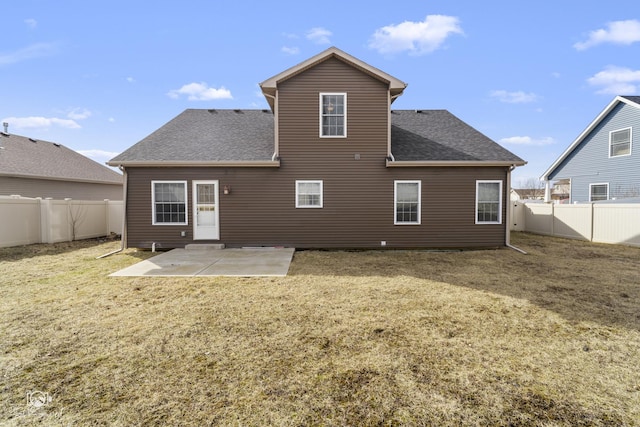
[394,112]
[419,111]
[213,111]
[33,140]
[238,111]
[266,111]
[56,144]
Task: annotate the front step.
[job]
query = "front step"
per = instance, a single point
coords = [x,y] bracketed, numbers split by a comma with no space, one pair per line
[204,246]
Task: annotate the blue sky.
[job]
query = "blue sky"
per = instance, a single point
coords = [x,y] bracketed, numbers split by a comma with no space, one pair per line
[98,76]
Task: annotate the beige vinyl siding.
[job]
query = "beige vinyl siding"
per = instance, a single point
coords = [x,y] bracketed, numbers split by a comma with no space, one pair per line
[55,189]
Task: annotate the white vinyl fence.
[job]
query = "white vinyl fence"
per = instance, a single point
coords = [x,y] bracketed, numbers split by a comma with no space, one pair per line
[595,222]
[24,221]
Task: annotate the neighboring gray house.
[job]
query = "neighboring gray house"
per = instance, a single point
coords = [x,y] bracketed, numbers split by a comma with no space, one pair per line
[604,161]
[36,168]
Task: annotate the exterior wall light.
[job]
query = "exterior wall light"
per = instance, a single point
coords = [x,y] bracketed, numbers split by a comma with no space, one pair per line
[226,189]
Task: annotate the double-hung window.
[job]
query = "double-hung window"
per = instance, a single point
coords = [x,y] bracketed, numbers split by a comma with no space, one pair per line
[598,192]
[620,142]
[407,202]
[488,202]
[169,202]
[333,115]
[308,194]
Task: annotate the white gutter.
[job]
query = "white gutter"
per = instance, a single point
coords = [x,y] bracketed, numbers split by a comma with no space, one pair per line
[451,163]
[276,129]
[196,163]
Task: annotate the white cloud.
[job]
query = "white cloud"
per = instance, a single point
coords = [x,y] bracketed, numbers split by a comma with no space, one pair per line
[31,23]
[79,114]
[616,81]
[37,50]
[518,97]
[131,79]
[40,122]
[527,140]
[200,92]
[290,50]
[112,120]
[319,35]
[617,32]
[416,37]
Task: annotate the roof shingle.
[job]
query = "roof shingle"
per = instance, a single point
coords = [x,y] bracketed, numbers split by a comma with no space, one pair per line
[26,157]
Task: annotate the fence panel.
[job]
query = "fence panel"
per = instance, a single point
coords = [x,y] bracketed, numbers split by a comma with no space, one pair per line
[25,221]
[19,222]
[602,223]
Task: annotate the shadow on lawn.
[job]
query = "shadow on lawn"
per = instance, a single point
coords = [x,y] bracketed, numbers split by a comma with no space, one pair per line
[579,280]
[17,253]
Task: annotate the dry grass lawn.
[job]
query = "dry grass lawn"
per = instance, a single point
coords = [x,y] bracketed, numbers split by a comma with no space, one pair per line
[369,338]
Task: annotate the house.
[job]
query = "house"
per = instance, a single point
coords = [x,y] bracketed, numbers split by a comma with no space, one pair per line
[329,165]
[526,194]
[604,161]
[36,168]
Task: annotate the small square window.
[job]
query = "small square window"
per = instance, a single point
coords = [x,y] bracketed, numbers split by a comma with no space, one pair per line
[598,192]
[333,115]
[308,194]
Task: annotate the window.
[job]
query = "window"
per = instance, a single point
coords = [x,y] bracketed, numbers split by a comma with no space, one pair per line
[333,115]
[620,142]
[598,192]
[169,200]
[308,194]
[488,202]
[407,202]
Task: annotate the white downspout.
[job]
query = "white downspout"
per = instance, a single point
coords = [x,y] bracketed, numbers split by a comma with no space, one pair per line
[508,219]
[123,238]
[275,125]
[547,191]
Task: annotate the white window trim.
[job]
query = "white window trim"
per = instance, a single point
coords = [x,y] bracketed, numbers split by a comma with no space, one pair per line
[630,142]
[598,183]
[344,94]
[395,202]
[153,203]
[309,181]
[490,181]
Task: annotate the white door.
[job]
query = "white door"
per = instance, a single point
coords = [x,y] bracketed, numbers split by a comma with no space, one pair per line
[205,210]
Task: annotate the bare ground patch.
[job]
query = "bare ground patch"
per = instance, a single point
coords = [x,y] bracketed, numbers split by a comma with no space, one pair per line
[348,338]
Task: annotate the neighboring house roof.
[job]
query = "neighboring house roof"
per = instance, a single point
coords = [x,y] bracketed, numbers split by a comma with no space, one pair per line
[629,100]
[30,158]
[269,86]
[201,137]
[438,135]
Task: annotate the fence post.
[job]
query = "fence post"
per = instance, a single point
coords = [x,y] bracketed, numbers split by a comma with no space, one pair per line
[106,207]
[553,219]
[592,221]
[45,221]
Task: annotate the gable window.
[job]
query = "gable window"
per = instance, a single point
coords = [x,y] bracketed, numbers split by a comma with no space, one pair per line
[333,115]
[407,202]
[308,194]
[598,192]
[169,202]
[620,142]
[488,202]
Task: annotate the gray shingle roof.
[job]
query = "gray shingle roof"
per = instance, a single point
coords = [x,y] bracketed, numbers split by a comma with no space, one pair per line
[438,135]
[207,135]
[27,157]
[248,135]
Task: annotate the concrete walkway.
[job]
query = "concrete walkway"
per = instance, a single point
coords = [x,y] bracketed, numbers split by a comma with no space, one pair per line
[246,262]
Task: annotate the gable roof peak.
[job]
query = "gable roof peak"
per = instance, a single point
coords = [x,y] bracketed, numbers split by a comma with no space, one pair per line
[269,86]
